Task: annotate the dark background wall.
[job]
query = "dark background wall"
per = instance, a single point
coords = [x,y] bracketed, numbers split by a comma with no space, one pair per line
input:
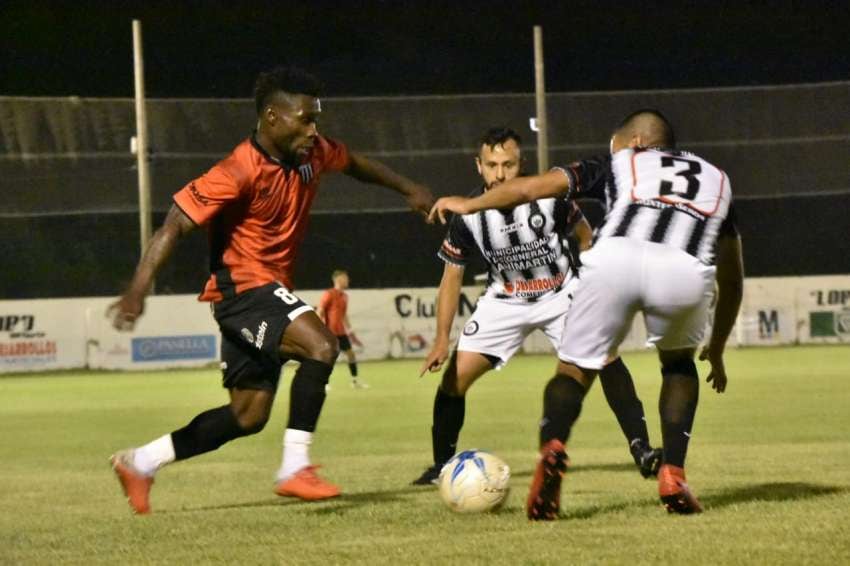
[67,180]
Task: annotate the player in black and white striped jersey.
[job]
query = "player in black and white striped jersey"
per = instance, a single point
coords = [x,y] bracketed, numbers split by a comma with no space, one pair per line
[531,274]
[669,233]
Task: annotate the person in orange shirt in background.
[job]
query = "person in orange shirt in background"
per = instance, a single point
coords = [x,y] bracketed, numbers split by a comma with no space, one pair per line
[333,310]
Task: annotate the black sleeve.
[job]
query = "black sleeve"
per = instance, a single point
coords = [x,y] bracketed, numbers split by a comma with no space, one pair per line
[459,244]
[567,215]
[588,176]
[729,227]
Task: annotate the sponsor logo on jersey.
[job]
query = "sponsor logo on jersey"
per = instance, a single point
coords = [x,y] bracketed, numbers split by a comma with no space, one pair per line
[514,227]
[196,194]
[527,287]
[261,334]
[247,335]
[536,220]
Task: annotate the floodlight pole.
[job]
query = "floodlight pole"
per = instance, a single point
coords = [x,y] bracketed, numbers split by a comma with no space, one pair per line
[141,145]
[541,123]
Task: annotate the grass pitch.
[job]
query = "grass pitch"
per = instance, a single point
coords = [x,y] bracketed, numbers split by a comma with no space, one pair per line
[770,460]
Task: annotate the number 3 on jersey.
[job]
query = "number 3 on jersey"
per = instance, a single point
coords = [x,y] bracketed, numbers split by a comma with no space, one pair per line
[672,179]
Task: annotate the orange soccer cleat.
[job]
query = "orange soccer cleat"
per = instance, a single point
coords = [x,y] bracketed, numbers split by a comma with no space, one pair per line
[307,485]
[544,497]
[675,493]
[137,487]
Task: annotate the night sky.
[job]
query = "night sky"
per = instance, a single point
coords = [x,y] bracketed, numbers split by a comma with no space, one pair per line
[215,48]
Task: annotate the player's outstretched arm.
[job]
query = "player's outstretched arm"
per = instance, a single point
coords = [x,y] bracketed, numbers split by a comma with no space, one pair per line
[448,298]
[506,195]
[367,170]
[730,284]
[130,306]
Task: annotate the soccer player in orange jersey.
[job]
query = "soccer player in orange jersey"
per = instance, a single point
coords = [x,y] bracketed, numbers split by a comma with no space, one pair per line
[254,205]
[333,310]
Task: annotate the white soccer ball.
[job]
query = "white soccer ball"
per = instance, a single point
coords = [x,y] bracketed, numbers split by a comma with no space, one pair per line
[474,481]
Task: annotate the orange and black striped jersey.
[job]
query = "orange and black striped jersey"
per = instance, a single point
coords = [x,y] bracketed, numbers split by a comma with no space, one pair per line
[256,211]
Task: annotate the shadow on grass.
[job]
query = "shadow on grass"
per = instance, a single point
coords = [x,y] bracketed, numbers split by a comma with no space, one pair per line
[337,505]
[580,468]
[775,491]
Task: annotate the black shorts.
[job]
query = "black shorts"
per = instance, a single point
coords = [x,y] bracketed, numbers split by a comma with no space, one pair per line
[252,324]
[344,342]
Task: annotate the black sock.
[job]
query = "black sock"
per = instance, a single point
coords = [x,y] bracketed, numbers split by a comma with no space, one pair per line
[307,395]
[352,367]
[678,405]
[448,420]
[206,432]
[620,393]
[562,401]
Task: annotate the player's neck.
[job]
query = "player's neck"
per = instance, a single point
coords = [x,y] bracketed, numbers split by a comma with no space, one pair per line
[265,142]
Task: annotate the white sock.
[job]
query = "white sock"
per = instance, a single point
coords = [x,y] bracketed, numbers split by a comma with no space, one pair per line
[154,455]
[296,448]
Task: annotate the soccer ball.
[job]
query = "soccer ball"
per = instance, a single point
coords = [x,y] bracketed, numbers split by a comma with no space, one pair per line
[474,481]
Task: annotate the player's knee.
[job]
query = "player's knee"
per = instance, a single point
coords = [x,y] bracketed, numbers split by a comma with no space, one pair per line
[324,349]
[252,420]
[684,366]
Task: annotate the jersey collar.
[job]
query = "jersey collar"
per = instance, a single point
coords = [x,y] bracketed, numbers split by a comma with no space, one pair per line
[269,157]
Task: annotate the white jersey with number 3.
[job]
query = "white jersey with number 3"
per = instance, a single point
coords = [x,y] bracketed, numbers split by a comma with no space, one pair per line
[668,197]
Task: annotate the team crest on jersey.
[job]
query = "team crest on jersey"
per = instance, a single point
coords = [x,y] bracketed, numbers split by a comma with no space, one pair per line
[246,334]
[306,172]
[470,328]
[536,220]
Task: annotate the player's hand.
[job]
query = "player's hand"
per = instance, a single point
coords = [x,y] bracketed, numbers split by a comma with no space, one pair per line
[125,311]
[717,375]
[435,358]
[458,205]
[352,337]
[420,199]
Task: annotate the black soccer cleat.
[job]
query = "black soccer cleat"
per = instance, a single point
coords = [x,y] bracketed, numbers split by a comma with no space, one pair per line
[431,476]
[647,458]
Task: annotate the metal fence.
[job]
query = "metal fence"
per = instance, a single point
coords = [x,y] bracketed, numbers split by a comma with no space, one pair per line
[69,189]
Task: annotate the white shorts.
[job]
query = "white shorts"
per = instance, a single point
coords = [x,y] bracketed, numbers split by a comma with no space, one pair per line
[621,276]
[497,328]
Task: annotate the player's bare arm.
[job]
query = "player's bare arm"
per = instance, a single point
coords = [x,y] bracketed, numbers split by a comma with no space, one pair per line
[130,306]
[367,170]
[730,283]
[506,195]
[584,234]
[448,298]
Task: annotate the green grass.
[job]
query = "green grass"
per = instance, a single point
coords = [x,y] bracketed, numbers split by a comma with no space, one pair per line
[770,460]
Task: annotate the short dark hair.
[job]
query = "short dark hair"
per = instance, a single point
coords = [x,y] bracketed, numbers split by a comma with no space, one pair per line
[499,135]
[284,79]
[661,128]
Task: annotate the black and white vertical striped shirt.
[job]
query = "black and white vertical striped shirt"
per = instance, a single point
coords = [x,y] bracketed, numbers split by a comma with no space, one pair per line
[661,195]
[524,247]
